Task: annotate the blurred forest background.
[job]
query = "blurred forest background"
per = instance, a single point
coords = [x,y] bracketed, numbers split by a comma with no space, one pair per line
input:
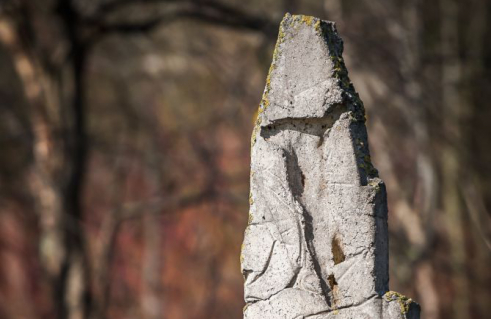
[124,138]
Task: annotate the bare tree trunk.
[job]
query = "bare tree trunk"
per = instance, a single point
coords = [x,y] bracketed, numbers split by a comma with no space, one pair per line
[59,151]
[78,294]
[47,194]
[152,299]
[451,157]
[412,68]
[476,35]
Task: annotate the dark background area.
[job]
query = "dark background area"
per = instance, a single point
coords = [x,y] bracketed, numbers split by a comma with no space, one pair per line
[124,140]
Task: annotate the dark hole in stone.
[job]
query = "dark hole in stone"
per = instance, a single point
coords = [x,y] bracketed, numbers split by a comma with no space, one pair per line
[332,282]
[337,251]
[302,175]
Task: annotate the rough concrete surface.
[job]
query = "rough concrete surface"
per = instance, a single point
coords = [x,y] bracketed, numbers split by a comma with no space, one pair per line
[316,245]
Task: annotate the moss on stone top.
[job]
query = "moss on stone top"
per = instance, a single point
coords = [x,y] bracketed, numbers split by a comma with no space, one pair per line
[404,302]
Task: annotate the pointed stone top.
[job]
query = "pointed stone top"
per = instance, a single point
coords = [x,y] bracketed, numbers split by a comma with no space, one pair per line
[307,76]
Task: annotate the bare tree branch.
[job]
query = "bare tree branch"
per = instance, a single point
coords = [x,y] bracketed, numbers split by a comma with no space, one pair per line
[206,11]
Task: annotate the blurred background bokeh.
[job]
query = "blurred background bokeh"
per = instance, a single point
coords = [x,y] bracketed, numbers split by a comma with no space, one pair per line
[124,139]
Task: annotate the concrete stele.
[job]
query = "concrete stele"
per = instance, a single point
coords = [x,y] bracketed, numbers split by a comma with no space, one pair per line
[316,245]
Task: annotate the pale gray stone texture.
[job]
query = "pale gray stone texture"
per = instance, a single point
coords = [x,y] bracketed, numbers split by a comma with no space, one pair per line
[316,245]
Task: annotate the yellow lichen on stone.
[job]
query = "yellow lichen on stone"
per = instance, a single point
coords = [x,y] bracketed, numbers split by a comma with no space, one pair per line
[241,253]
[245,308]
[404,302]
[338,65]
[280,40]
[364,160]
[308,20]
[251,217]
[317,27]
[254,117]
[375,183]
[264,104]
[255,131]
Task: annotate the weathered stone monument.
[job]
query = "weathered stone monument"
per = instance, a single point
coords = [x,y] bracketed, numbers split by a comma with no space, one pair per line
[316,245]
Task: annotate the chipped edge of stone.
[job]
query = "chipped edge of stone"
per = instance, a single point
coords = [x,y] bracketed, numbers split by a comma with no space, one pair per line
[404,302]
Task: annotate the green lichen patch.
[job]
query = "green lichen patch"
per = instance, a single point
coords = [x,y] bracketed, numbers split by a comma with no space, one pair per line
[367,166]
[364,161]
[404,302]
